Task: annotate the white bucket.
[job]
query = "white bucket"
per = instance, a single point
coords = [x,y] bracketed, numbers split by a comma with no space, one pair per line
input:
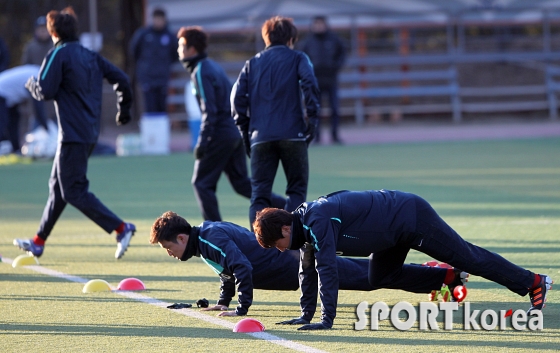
[155,133]
[129,145]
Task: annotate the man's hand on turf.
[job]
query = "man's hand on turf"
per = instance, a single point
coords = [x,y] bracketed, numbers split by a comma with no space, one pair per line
[228,313]
[123,117]
[319,326]
[296,321]
[215,308]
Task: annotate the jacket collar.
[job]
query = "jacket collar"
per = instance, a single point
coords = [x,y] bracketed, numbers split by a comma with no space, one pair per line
[298,236]
[190,63]
[192,245]
[64,42]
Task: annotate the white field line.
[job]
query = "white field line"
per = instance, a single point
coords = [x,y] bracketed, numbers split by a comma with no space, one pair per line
[187,312]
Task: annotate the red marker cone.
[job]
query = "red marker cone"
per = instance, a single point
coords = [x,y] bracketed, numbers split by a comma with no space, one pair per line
[248,325]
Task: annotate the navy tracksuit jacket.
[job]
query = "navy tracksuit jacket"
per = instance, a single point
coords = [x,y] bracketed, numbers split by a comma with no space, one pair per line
[235,255]
[73,76]
[266,99]
[154,52]
[386,225]
[212,90]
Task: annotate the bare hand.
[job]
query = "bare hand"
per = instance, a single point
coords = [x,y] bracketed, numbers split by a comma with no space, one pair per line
[228,313]
[215,308]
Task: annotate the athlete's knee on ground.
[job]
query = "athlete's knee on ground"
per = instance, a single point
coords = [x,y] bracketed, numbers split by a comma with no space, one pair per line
[378,279]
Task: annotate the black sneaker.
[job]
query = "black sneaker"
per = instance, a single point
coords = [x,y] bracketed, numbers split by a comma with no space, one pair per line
[538,294]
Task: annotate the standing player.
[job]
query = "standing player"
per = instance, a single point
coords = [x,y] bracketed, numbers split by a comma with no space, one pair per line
[219,147]
[327,53]
[234,254]
[73,76]
[267,107]
[153,50]
[386,225]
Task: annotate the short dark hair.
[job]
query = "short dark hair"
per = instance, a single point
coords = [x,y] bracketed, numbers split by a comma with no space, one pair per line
[168,226]
[278,30]
[158,12]
[64,24]
[195,37]
[320,18]
[268,225]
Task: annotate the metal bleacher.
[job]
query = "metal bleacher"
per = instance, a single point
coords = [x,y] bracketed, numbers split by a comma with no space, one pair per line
[427,82]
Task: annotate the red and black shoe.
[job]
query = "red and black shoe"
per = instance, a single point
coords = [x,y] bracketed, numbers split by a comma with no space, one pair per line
[538,293]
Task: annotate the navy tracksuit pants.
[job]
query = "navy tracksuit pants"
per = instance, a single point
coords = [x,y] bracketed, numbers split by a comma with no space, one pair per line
[69,184]
[352,274]
[222,156]
[437,239]
[265,158]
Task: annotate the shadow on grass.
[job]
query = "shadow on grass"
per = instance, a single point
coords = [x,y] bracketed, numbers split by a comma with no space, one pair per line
[13,277]
[116,330]
[407,341]
[114,279]
[514,250]
[83,298]
[146,279]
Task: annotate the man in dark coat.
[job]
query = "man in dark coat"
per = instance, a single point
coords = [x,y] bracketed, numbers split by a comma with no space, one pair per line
[267,107]
[327,53]
[73,76]
[154,49]
[219,147]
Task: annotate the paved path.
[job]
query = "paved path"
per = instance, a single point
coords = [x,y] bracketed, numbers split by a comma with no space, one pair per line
[407,132]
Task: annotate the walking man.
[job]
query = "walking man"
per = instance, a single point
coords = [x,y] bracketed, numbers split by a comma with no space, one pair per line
[267,107]
[219,147]
[73,77]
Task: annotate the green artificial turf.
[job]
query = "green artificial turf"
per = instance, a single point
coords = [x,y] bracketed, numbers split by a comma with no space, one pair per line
[502,195]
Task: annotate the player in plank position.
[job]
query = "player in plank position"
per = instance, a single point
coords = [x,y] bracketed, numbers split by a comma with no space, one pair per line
[385,225]
[234,254]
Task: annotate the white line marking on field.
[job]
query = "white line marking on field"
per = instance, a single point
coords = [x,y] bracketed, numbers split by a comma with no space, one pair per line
[187,312]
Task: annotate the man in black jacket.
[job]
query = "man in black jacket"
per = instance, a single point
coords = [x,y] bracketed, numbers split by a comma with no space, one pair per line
[327,53]
[234,254]
[219,147]
[73,76]
[267,107]
[154,49]
[386,225]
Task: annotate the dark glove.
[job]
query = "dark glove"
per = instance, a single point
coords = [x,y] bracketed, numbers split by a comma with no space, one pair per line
[247,144]
[123,117]
[199,151]
[179,306]
[202,303]
[297,321]
[310,132]
[319,326]
[30,82]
